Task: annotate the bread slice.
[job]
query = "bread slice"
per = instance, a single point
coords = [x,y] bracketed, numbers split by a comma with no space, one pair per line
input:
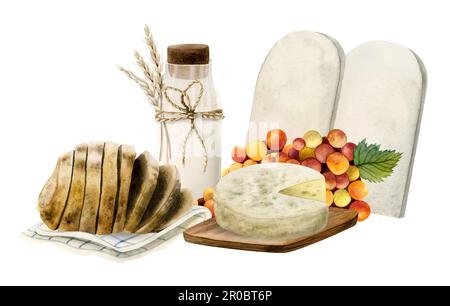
[88,221]
[127,155]
[53,197]
[166,194]
[184,203]
[110,182]
[143,184]
[72,213]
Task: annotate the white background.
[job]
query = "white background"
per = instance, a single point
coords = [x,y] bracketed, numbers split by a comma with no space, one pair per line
[59,86]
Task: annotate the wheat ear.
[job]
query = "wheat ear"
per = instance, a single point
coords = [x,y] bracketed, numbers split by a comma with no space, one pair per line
[148,90]
[148,74]
[156,59]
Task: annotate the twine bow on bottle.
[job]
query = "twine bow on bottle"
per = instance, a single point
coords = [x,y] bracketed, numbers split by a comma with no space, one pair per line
[186,111]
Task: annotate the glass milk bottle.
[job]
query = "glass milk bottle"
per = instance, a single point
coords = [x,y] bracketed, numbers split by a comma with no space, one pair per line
[191,138]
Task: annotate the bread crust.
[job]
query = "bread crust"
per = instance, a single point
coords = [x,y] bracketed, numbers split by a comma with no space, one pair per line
[143,184]
[166,194]
[53,197]
[183,204]
[88,221]
[72,213]
[110,182]
[127,155]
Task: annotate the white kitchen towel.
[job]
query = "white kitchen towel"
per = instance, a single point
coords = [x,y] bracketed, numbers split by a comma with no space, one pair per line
[118,246]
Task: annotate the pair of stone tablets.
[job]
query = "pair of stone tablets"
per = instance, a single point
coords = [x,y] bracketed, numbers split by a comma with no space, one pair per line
[376,92]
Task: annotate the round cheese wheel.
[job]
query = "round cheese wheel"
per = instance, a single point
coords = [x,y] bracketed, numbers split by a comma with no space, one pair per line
[273,201]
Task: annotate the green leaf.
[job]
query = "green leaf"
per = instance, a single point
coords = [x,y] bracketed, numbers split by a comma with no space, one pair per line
[373,163]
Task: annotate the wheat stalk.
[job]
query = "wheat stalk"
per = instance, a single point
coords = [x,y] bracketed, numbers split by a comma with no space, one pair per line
[152,83]
[156,59]
[148,90]
[144,67]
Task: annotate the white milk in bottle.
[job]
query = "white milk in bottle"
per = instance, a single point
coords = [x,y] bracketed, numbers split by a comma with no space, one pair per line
[191,138]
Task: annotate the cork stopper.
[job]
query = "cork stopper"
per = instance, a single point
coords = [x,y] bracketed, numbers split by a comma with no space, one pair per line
[188,54]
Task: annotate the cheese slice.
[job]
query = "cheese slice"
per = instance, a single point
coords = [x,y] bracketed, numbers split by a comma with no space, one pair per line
[273,201]
[53,197]
[127,156]
[166,194]
[72,213]
[92,192]
[143,184]
[109,189]
[308,190]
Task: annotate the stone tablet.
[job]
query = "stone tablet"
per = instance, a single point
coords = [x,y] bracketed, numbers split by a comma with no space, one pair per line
[127,156]
[298,86]
[165,196]
[71,218]
[143,184]
[110,182]
[382,96]
[53,197]
[88,222]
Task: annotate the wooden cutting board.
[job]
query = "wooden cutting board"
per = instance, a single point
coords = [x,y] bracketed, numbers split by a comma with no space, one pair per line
[211,234]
